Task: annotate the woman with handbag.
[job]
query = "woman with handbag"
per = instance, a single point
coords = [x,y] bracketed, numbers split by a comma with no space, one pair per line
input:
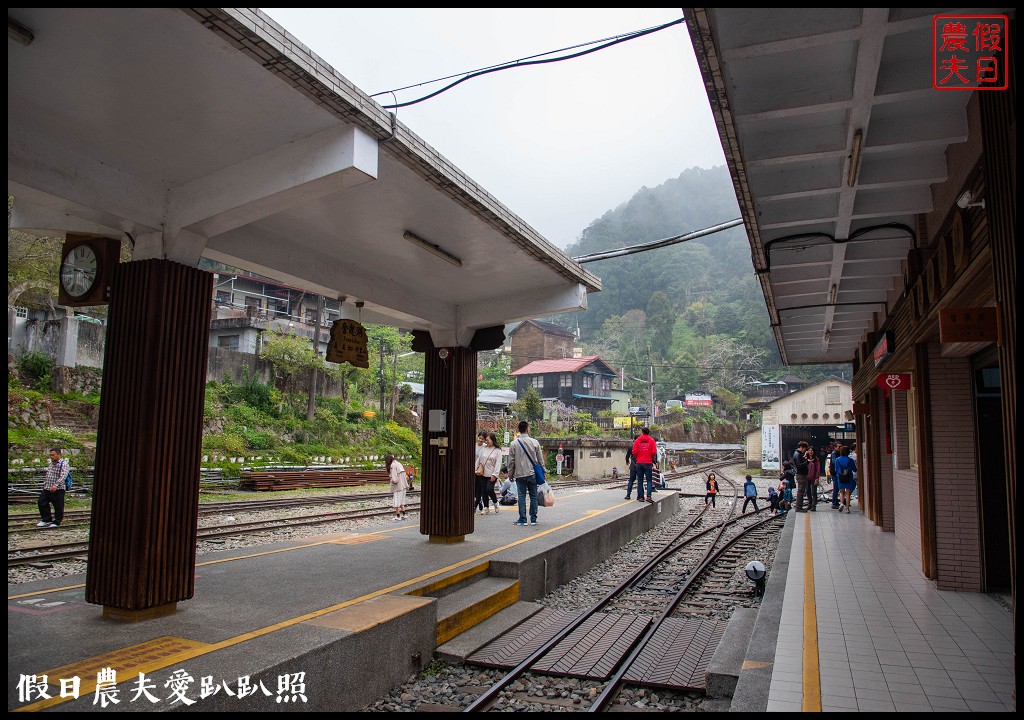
[479,489]
[491,466]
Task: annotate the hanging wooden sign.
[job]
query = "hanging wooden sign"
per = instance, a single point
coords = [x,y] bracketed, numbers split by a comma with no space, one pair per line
[968,325]
[348,344]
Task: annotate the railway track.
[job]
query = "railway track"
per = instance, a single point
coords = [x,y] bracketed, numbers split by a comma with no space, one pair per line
[625,636]
[80,549]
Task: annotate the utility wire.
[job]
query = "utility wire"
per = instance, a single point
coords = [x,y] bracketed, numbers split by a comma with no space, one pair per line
[526,61]
[655,244]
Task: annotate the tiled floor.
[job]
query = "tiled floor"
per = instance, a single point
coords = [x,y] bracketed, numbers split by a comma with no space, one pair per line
[887,639]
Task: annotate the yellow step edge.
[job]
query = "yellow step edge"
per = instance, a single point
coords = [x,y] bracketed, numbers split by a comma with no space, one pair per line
[451,580]
[463,620]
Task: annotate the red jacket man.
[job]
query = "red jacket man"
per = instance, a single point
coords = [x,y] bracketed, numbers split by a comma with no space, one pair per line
[645,450]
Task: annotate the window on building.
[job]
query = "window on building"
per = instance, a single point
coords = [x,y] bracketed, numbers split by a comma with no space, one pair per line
[20,311]
[912,427]
[832,395]
[565,380]
[228,342]
[588,382]
[224,296]
[606,383]
[537,381]
[253,302]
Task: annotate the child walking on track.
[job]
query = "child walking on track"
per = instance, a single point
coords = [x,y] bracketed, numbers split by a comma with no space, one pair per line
[712,488]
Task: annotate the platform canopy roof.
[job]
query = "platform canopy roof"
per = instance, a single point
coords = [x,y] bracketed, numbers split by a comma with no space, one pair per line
[214,133]
[834,136]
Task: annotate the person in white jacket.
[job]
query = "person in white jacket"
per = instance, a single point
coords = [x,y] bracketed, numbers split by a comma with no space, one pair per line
[399,484]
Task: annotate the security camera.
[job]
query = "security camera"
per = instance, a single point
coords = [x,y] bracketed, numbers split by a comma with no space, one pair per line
[964,201]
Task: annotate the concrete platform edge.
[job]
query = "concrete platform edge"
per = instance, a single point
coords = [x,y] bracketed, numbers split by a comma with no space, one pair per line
[751,694]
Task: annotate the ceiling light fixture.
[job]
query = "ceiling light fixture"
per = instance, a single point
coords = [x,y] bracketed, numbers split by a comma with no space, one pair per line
[432,248]
[833,293]
[965,201]
[851,173]
[19,33]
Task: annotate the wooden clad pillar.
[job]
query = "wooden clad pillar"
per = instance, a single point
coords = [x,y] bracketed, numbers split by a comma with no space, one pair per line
[146,490]
[447,485]
[998,112]
[926,477]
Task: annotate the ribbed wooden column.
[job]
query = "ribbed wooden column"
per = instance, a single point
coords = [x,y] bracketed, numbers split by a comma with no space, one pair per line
[142,547]
[447,486]
[999,140]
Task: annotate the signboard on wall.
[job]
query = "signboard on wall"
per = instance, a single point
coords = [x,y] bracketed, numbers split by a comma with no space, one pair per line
[883,349]
[894,381]
[770,447]
[968,325]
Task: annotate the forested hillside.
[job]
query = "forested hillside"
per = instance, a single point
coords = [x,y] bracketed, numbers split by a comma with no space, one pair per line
[694,311]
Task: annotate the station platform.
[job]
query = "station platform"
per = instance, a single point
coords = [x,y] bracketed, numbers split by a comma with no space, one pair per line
[357,613]
[850,624]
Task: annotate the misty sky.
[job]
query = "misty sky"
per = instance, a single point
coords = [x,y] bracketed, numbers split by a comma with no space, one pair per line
[559,143]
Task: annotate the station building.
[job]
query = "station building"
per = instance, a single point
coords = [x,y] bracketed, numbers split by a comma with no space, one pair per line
[816,414]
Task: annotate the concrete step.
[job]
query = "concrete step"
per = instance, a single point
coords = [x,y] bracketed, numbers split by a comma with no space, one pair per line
[724,669]
[462,646]
[472,604]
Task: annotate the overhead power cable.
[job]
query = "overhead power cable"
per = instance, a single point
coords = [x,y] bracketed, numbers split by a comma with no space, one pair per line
[654,245]
[523,62]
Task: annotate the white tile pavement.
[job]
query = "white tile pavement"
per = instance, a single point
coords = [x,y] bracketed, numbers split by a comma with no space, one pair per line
[888,640]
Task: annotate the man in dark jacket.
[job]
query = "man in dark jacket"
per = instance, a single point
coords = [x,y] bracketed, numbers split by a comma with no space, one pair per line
[631,464]
[800,465]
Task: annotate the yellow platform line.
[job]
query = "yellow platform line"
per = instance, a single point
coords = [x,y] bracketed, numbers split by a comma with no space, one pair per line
[588,513]
[812,673]
[238,639]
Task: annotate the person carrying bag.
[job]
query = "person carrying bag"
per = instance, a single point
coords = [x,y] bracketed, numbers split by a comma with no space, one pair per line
[525,466]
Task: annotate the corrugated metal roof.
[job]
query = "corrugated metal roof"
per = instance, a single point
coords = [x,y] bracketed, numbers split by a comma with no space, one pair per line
[539,367]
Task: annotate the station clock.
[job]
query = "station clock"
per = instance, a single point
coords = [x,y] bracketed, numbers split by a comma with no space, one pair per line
[87,269]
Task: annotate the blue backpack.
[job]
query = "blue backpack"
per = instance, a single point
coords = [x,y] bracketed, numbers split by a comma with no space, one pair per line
[68,481]
[538,469]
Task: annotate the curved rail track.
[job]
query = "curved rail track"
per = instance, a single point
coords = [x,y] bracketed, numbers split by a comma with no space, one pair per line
[661,589]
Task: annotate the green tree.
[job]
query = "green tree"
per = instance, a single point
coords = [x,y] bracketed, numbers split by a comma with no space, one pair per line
[529,406]
[33,264]
[292,356]
[386,345]
[661,317]
[496,372]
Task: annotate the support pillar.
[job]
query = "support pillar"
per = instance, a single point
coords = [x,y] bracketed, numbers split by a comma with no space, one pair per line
[146,489]
[447,486]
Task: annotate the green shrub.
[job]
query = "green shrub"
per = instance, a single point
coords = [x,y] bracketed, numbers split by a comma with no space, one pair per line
[36,369]
[259,439]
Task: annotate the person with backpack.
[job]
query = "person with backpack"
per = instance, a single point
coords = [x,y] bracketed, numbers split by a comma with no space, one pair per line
[54,487]
[750,494]
[845,469]
[522,455]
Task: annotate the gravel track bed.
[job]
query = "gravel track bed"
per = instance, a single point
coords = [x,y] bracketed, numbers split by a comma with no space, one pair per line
[454,687]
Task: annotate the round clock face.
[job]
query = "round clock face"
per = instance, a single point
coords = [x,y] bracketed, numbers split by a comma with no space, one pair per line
[79,270]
